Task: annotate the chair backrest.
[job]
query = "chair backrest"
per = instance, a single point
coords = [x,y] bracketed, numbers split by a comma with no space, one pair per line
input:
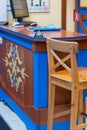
[62,53]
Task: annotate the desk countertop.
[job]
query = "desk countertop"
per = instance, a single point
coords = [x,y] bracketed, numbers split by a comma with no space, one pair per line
[46,34]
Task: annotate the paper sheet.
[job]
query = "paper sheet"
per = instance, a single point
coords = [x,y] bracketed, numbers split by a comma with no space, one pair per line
[38,5]
[3,10]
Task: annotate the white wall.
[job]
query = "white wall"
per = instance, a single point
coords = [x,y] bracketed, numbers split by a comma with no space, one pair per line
[51,17]
[54,16]
[70,7]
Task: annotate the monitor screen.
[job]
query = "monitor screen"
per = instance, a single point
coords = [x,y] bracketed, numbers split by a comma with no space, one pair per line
[19,9]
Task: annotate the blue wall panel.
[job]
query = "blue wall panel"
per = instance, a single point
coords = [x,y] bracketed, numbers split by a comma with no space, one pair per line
[82,58]
[82,11]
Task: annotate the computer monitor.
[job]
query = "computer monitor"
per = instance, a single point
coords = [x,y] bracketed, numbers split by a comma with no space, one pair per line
[19,9]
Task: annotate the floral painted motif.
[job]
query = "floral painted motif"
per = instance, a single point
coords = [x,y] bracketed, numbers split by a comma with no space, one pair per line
[15,68]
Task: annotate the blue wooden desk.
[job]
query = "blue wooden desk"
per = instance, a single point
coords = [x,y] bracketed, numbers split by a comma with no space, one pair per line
[24,77]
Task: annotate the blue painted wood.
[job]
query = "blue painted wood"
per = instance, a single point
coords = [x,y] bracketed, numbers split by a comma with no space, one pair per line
[40,80]
[19,38]
[56,126]
[0,59]
[82,58]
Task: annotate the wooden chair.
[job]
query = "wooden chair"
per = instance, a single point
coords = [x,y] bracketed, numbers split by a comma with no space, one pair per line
[68,76]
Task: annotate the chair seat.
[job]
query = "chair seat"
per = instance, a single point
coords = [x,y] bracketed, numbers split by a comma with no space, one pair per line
[65,75]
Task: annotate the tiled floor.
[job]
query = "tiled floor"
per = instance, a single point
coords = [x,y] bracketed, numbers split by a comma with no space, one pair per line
[10,117]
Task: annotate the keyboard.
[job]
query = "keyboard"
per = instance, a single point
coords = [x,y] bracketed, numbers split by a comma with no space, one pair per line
[27,23]
[3,23]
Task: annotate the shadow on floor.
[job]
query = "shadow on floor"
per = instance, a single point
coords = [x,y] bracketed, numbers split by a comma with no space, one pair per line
[3,125]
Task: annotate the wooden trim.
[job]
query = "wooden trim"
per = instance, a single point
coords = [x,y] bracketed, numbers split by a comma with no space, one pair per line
[76,8]
[39,46]
[39,116]
[63,15]
[82,17]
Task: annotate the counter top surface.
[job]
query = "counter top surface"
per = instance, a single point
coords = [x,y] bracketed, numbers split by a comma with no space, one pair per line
[46,34]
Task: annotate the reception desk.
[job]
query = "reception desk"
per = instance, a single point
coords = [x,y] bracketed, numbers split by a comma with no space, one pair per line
[24,75]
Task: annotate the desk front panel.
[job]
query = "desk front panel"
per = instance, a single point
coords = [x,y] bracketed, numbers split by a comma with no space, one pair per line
[25,80]
[17,72]
[25,76]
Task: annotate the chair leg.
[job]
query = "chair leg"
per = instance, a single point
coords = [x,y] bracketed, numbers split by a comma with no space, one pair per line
[51,106]
[80,108]
[74,110]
